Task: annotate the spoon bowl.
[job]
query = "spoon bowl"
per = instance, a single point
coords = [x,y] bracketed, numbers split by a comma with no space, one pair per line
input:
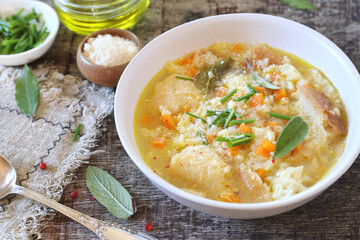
[105,230]
[7,176]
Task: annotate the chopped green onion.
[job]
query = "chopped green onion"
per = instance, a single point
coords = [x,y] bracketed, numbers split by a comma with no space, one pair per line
[240,141]
[229,95]
[77,131]
[240,121]
[194,116]
[184,78]
[230,117]
[202,137]
[18,33]
[222,139]
[278,115]
[220,122]
[244,134]
[252,88]
[247,96]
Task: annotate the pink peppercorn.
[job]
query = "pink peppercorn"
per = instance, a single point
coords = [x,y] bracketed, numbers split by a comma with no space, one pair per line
[42,166]
[148,226]
[73,194]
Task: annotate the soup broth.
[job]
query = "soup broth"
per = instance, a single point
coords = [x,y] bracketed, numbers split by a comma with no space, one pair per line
[203,123]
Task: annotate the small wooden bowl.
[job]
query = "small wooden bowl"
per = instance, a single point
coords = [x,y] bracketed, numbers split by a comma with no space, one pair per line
[104,76]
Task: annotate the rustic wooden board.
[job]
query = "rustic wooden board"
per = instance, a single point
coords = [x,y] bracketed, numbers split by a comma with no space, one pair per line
[333,215]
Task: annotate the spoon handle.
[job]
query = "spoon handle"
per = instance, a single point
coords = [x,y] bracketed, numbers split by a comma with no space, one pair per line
[105,230]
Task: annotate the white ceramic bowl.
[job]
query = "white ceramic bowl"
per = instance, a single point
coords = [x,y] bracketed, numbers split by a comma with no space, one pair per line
[244,28]
[9,7]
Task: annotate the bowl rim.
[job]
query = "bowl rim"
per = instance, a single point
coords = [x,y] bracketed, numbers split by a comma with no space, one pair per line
[52,33]
[135,39]
[303,196]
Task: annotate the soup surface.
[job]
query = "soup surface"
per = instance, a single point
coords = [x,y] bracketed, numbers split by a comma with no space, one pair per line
[204,123]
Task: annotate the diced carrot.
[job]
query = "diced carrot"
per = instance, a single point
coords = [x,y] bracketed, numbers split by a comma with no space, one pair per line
[210,138]
[261,172]
[271,124]
[257,99]
[234,150]
[168,121]
[280,94]
[298,147]
[268,145]
[261,151]
[158,142]
[146,120]
[192,71]
[220,92]
[229,197]
[306,85]
[185,61]
[237,48]
[243,128]
[260,89]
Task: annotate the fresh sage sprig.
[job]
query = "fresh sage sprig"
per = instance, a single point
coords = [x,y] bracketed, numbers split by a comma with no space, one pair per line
[300,4]
[110,193]
[27,92]
[208,79]
[259,80]
[291,136]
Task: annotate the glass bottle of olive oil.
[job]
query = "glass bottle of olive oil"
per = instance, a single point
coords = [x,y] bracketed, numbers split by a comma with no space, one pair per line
[86,16]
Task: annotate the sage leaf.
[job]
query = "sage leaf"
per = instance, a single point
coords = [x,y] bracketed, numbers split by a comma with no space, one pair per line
[300,4]
[27,92]
[292,135]
[259,80]
[208,79]
[110,193]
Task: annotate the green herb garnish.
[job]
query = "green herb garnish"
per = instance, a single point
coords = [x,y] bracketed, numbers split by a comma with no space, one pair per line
[240,121]
[194,116]
[184,78]
[110,193]
[300,4]
[27,92]
[229,118]
[202,137]
[259,80]
[278,115]
[77,131]
[209,78]
[246,97]
[291,136]
[229,95]
[240,139]
[222,116]
[18,33]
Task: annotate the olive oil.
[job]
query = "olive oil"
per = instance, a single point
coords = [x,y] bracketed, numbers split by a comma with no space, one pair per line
[86,16]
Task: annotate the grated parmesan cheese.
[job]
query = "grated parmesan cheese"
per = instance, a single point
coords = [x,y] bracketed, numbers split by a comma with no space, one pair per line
[107,50]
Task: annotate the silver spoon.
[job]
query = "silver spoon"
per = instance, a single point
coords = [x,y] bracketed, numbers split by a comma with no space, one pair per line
[105,230]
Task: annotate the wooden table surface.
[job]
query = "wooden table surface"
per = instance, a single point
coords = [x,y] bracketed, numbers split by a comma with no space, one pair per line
[333,215]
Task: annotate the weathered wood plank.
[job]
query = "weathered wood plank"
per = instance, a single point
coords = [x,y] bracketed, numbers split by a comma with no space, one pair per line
[333,215]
